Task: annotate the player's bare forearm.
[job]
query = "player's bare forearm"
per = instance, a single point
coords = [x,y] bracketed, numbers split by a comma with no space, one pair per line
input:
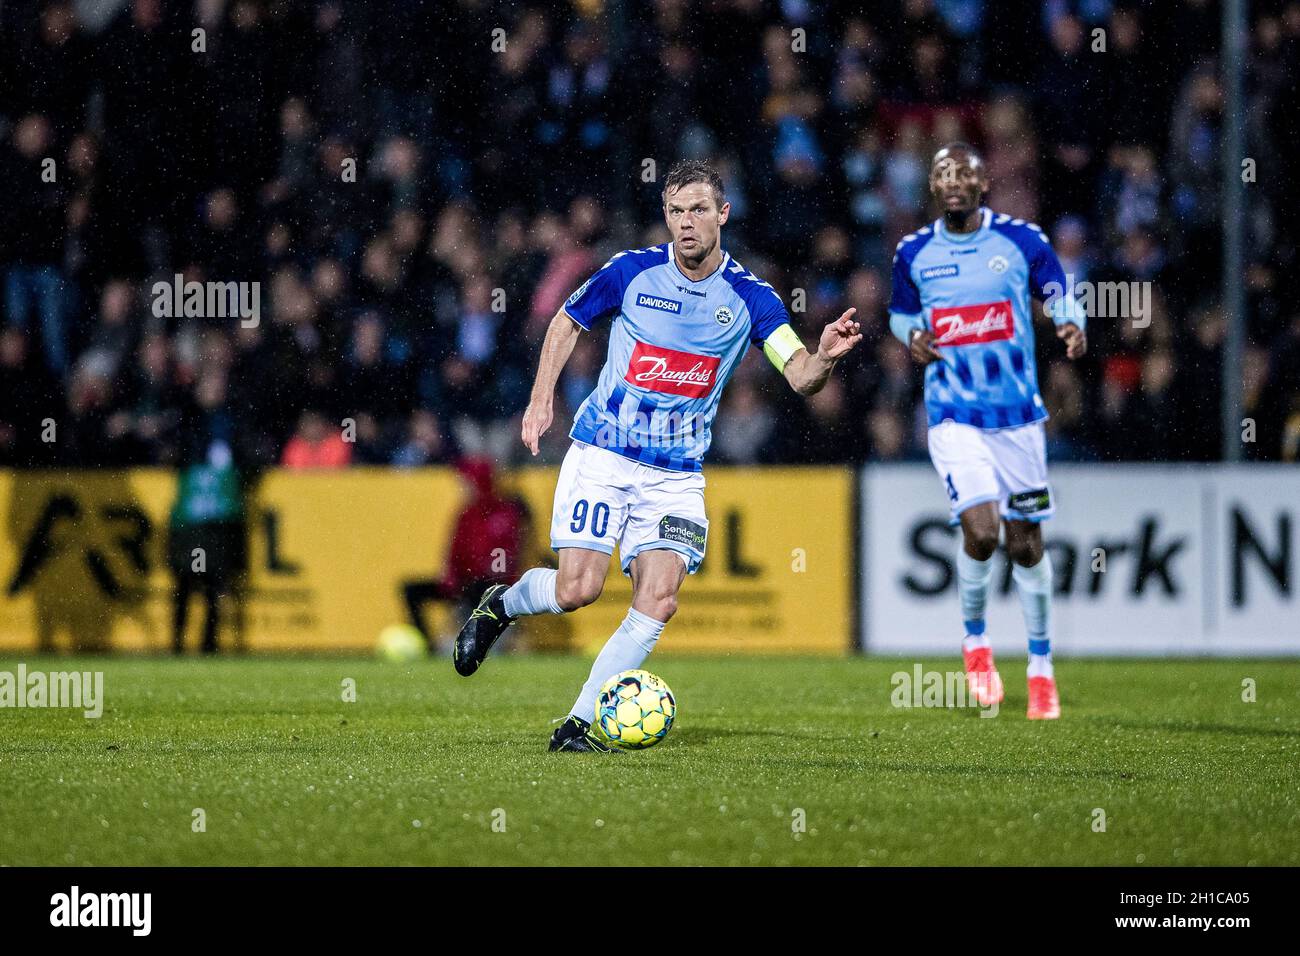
[561,336]
[807,372]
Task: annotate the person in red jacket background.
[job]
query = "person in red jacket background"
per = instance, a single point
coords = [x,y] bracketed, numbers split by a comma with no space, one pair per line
[487,544]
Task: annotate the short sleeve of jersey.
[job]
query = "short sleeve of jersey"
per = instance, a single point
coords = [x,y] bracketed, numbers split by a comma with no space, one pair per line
[598,296]
[905,298]
[766,314]
[1046,277]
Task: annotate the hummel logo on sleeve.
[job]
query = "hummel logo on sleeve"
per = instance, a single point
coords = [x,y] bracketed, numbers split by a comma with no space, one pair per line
[578,294]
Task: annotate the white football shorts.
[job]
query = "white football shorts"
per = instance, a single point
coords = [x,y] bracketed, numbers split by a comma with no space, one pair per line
[603,499]
[1006,465]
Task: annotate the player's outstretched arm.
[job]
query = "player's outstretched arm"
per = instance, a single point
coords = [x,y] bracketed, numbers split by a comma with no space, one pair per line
[807,372]
[561,336]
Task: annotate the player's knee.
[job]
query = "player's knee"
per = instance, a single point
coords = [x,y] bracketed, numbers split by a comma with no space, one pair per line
[665,607]
[981,543]
[578,590]
[1025,552]
[661,609]
[658,599]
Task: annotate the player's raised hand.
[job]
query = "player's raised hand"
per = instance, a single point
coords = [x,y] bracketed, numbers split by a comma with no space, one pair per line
[537,418]
[839,338]
[1076,343]
[922,347]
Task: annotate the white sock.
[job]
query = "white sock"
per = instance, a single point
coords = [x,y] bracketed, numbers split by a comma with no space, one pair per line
[627,649]
[973,578]
[534,593]
[1034,587]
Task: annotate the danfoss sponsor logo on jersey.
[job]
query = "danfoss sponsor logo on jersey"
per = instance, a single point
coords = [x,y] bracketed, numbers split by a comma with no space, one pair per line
[657,302]
[670,371]
[973,324]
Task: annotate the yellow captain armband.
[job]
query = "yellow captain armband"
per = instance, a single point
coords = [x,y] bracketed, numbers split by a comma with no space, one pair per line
[781,345]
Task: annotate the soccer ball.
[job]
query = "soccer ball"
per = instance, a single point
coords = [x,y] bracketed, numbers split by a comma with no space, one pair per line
[400,644]
[635,710]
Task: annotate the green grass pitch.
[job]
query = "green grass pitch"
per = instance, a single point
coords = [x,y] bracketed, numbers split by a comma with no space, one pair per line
[429,768]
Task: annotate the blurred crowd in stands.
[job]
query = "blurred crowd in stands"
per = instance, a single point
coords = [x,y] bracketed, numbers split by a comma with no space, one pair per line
[501,151]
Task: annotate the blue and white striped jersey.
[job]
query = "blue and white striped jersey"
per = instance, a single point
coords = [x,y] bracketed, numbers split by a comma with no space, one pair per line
[974,293]
[673,345]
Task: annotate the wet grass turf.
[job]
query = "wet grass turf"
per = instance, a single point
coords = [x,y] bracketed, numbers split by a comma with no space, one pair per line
[429,768]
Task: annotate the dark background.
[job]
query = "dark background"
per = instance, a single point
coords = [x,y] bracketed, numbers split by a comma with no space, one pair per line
[523,170]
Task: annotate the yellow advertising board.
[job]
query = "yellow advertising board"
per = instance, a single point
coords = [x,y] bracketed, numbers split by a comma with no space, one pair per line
[776,576]
[83,561]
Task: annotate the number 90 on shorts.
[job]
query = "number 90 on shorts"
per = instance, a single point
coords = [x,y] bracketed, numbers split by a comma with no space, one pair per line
[599,514]
[603,500]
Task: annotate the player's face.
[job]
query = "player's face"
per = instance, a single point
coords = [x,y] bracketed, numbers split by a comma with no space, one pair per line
[694,220]
[958,181]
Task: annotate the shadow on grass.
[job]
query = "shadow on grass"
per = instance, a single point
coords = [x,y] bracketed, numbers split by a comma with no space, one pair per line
[1193,727]
[693,736]
[698,737]
[982,772]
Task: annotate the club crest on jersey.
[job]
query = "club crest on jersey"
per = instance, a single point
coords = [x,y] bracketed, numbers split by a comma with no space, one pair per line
[723,316]
[658,302]
[672,372]
[973,324]
[999,264]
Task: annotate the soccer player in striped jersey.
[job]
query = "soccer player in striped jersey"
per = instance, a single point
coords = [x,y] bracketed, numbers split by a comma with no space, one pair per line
[965,293]
[683,314]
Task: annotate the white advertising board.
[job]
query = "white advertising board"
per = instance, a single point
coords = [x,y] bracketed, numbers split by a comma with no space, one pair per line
[1198,560]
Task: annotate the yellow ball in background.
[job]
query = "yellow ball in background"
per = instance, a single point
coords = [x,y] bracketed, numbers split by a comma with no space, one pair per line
[400,644]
